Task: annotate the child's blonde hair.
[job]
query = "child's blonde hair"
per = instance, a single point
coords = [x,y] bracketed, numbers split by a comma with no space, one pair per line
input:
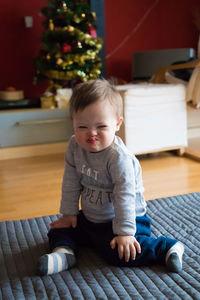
[91,91]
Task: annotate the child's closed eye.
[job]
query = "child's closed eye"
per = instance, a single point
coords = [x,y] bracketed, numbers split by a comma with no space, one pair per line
[82,127]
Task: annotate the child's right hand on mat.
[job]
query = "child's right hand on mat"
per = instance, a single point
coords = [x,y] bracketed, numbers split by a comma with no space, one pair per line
[128,246]
[65,221]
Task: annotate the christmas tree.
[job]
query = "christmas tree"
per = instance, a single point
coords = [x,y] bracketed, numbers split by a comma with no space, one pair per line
[70,45]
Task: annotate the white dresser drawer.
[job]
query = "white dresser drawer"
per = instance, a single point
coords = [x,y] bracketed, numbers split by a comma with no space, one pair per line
[34,126]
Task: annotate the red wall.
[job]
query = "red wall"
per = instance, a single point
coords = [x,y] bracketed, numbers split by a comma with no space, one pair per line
[168,25]
[19,45]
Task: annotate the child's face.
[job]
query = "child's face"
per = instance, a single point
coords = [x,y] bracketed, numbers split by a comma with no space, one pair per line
[95,126]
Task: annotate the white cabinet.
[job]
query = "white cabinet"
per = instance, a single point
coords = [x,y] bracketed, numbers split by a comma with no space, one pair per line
[155,117]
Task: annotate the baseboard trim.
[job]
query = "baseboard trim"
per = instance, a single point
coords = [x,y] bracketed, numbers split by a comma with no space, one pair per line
[32,150]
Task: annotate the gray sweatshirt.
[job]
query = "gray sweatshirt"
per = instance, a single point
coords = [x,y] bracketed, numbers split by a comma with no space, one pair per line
[109,183]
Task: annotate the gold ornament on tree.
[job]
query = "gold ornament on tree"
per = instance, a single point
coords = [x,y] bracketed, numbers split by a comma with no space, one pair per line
[79,45]
[77,19]
[51,25]
[64,6]
[70,28]
[59,61]
[94,15]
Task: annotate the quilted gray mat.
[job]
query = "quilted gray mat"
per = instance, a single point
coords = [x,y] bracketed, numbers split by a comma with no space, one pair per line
[22,242]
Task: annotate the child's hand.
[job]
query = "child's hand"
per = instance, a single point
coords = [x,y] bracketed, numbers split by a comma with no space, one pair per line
[127,246]
[65,221]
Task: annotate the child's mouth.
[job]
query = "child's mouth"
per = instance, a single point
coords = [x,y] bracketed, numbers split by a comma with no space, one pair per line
[91,141]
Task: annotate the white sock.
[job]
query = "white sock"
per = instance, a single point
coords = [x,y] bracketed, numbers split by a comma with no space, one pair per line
[174,256]
[62,258]
[63,250]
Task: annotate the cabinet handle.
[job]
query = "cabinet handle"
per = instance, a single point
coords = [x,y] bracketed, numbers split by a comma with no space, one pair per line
[38,122]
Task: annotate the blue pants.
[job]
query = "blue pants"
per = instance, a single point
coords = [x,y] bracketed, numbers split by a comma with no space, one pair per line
[99,235]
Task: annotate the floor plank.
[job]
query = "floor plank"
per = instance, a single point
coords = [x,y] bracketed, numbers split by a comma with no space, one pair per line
[31,187]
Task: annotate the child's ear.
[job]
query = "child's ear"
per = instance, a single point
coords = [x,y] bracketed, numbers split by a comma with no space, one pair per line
[119,123]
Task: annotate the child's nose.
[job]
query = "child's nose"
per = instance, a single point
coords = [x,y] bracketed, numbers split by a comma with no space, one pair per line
[92,132]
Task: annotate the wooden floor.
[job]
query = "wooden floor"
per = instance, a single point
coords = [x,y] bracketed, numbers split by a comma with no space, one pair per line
[31,187]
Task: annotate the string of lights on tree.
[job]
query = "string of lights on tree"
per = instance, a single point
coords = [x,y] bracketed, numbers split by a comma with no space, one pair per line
[70,45]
